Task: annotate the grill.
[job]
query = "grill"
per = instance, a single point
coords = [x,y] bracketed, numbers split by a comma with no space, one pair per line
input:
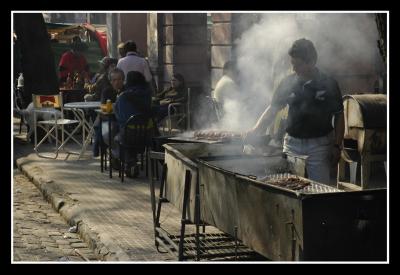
[187,137]
[364,137]
[312,188]
[319,222]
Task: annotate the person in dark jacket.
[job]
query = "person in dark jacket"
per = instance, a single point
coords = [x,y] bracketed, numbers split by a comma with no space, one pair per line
[136,99]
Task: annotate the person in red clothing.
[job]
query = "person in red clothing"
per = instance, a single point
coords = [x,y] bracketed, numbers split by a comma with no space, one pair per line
[73,61]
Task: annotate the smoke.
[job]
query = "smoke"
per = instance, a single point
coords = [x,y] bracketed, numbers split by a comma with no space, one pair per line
[345,43]
[233,116]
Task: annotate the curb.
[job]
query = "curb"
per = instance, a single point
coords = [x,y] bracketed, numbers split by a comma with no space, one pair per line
[104,248]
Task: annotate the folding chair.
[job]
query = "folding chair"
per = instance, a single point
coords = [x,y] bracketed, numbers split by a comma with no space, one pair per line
[180,112]
[50,107]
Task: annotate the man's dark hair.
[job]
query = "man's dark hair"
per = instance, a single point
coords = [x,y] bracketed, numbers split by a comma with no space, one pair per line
[130,46]
[305,50]
[116,71]
[77,45]
[180,78]
[109,62]
[76,39]
[135,78]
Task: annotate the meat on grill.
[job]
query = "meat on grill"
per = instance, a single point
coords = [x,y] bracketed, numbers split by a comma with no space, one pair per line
[215,135]
[291,182]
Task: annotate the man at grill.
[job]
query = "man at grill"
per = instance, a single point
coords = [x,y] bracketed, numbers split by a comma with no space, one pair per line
[315,124]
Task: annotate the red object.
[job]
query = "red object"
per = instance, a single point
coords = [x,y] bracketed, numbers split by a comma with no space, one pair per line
[100,36]
[102,39]
[47,98]
[73,63]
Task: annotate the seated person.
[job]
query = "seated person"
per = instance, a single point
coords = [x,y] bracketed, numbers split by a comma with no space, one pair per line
[135,99]
[73,61]
[101,79]
[116,78]
[226,88]
[231,105]
[175,94]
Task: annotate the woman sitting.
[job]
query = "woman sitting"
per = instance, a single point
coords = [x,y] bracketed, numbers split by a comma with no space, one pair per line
[101,79]
[175,94]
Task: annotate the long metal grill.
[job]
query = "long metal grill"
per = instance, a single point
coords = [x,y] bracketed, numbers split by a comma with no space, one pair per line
[312,188]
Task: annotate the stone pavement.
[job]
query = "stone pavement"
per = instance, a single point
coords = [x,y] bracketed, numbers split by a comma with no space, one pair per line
[113,218]
[39,233]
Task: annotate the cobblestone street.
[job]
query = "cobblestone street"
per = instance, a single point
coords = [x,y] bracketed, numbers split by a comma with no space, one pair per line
[40,233]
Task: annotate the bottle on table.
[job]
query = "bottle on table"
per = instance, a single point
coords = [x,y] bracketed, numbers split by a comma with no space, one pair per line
[109,106]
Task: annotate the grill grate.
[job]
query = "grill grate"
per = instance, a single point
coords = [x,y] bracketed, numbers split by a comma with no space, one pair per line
[216,246]
[312,188]
[194,140]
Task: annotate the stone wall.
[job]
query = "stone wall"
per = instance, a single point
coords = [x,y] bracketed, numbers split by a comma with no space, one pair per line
[184,48]
[221,44]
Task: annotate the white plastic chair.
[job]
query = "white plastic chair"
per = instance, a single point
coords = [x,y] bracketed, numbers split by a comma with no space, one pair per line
[51,107]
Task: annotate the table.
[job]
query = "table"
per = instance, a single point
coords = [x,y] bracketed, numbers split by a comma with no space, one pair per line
[78,109]
[72,95]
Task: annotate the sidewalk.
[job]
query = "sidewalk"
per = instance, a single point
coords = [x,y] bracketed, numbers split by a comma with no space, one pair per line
[114,218]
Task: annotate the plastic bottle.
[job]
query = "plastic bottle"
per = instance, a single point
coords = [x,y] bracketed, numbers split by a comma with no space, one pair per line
[20,81]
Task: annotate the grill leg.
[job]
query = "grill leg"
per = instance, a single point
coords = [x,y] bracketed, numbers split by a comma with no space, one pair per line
[384,163]
[365,172]
[160,201]
[353,172]
[188,177]
[109,147]
[153,199]
[156,168]
[236,242]
[197,218]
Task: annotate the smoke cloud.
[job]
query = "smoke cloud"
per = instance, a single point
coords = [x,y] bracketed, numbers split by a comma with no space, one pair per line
[345,43]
